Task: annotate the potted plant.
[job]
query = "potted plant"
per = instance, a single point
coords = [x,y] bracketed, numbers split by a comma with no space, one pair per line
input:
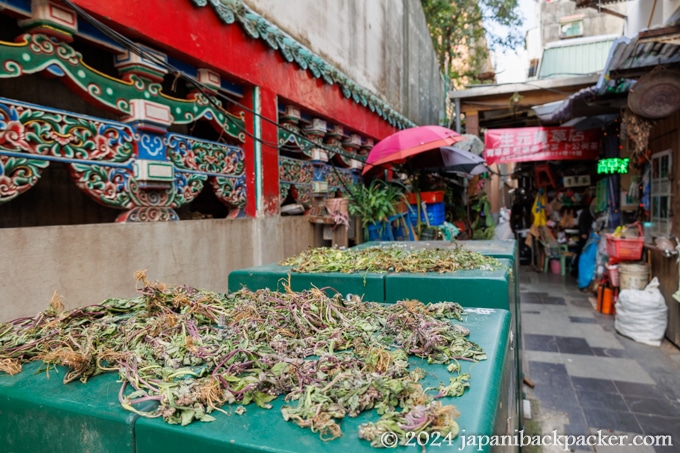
[375,203]
[483,225]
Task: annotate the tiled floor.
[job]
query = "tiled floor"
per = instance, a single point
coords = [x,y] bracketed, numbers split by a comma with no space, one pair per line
[587,377]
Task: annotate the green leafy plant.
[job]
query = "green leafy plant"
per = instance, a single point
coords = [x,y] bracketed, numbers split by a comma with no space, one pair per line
[483,225]
[463,32]
[376,202]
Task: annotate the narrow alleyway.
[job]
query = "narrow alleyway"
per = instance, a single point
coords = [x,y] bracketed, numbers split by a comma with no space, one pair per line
[586,376]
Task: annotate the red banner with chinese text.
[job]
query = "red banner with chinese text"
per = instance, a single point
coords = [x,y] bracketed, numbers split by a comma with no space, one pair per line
[528,144]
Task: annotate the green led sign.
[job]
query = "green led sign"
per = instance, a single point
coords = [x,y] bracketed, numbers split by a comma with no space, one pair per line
[612,166]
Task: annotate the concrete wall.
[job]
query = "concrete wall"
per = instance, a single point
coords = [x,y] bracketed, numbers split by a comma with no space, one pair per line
[382,44]
[649,14]
[640,15]
[666,135]
[594,22]
[89,263]
[666,270]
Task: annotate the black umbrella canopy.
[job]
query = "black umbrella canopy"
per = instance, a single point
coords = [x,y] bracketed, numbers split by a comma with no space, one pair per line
[449,159]
[461,161]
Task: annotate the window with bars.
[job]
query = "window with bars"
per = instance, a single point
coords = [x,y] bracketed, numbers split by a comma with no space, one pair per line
[661,193]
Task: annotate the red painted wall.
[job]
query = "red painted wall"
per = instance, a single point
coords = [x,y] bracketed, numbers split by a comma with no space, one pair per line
[198,36]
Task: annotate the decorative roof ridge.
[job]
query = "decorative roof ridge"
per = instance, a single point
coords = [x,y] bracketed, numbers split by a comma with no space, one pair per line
[230,11]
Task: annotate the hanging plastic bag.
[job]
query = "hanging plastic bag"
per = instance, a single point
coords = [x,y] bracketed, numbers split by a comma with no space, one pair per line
[587,261]
[503,230]
[641,315]
[538,209]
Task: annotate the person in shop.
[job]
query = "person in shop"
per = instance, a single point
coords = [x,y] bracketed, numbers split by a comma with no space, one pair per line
[586,217]
[520,212]
[520,221]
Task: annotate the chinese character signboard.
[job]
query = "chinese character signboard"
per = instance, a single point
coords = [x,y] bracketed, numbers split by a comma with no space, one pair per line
[528,144]
[613,165]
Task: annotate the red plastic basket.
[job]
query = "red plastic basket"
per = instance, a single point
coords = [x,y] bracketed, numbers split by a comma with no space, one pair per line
[625,249]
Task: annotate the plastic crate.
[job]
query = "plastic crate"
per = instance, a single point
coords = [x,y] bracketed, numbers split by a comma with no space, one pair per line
[436,214]
[625,249]
[380,232]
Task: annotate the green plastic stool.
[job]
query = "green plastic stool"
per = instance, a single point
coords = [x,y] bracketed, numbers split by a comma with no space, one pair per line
[560,252]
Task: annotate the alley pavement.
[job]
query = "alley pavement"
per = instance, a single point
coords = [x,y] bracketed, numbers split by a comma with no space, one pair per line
[587,378]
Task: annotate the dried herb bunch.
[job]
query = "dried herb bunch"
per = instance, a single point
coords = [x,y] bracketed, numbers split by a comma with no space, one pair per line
[392,258]
[185,353]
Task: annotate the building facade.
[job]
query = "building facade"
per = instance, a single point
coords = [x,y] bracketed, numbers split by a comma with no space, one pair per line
[171,144]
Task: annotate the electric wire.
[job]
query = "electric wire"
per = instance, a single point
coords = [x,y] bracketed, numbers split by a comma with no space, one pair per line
[136,49]
[209,93]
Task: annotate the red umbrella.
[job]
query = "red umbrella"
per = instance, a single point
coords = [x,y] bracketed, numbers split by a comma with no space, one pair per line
[396,148]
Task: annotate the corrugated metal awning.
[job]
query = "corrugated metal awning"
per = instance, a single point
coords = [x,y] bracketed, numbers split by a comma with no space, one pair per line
[578,56]
[584,103]
[650,48]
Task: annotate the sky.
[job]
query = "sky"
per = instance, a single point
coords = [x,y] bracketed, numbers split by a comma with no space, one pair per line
[507,68]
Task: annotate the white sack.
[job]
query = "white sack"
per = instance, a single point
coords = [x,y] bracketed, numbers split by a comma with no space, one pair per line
[641,314]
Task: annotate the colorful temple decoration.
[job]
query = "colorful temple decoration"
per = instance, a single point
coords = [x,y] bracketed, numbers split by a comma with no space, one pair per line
[315,154]
[104,160]
[134,165]
[37,53]
[139,164]
[290,136]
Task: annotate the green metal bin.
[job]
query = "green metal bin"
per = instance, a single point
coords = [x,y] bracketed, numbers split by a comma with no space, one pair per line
[496,294]
[495,248]
[370,286]
[483,409]
[470,288]
[38,413]
[496,289]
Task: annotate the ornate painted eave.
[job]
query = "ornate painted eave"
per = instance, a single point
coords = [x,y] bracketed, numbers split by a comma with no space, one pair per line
[118,165]
[231,11]
[35,53]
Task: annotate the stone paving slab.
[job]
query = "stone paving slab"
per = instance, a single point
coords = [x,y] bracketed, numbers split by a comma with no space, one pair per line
[587,377]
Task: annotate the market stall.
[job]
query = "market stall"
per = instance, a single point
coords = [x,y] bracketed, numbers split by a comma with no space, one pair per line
[556,182]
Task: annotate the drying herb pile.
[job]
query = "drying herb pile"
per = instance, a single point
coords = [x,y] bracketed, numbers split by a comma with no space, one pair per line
[182,353]
[393,258]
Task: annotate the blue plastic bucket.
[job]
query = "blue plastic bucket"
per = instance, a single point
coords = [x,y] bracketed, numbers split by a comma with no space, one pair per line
[379,232]
[436,214]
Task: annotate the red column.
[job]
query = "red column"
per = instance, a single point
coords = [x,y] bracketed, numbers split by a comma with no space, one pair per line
[261,151]
[249,147]
[268,171]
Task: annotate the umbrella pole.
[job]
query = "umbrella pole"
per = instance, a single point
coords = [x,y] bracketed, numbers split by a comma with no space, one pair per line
[418,208]
[416,189]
